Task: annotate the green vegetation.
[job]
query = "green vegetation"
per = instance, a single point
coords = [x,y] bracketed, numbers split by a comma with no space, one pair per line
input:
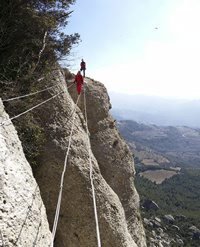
[177,196]
[179,145]
[25,26]
[33,137]
[32,42]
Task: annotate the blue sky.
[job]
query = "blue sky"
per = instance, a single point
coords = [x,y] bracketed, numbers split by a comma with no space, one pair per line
[146,47]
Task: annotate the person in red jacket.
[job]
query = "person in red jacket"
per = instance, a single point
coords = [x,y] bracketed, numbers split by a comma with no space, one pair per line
[79,82]
[83,67]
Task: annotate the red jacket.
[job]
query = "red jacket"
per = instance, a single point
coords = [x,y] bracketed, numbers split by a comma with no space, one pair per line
[79,79]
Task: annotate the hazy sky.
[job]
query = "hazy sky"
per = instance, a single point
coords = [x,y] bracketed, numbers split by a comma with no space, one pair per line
[140,46]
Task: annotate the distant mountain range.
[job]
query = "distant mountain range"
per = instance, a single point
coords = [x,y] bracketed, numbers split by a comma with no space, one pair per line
[162,146]
[156,110]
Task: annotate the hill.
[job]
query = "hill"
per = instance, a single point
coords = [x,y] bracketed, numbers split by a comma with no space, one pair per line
[156,110]
[167,177]
[162,145]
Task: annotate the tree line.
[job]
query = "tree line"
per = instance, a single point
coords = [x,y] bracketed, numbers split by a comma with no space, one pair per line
[32,38]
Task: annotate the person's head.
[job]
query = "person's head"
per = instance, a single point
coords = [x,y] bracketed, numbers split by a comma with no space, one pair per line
[82,60]
[79,72]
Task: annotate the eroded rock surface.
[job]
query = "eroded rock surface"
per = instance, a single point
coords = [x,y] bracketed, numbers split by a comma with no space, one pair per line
[22,212]
[112,153]
[23,220]
[76,226]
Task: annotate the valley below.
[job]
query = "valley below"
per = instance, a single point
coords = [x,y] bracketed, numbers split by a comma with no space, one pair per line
[167,162]
[158,176]
[162,146]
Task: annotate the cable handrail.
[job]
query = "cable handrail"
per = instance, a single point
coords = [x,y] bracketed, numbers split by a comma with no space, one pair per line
[30,94]
[91,178]
[56,218]
[30,109]
[27,95]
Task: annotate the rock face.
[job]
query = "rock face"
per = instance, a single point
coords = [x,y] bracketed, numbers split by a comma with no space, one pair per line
[117,199]
[112,153]
[150,205]
[23,220]
[169,218]
[162,233]
[195,232]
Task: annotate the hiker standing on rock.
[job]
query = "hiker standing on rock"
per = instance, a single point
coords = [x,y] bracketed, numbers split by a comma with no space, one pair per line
[83,67]
[79,82]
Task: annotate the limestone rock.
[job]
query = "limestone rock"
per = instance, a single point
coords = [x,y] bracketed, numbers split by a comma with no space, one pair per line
[176,228]
[148,222]
[112,153]
[180,217]
[193,229]
[23,221]
[160,236]
[169,218]
[150,205]
[158,219]
[155,223]
[180,242]
[195,232]
[117,199]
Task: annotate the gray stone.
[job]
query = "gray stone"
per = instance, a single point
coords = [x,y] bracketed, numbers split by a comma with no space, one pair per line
[180,217]
[150,205]
[155,223]
[117,199]
[169,218]
[180,242]
[158,219]
[23,220]
[195,232]
[113,155]
[160,230]
[194,229]
[153,233]
[175,227]
[147,222]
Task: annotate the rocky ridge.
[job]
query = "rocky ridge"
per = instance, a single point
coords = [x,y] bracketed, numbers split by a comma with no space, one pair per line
[112,153]
[76,223]
[23,220]
[117,199]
